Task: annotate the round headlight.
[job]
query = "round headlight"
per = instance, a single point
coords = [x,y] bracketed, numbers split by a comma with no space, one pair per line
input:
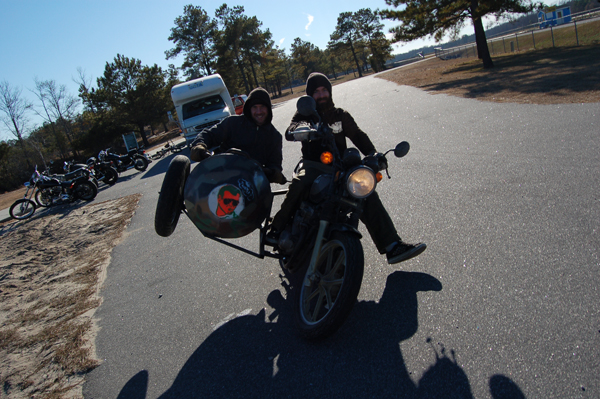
[361,182]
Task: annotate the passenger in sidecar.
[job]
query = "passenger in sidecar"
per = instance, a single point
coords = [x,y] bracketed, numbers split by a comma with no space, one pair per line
[227,195]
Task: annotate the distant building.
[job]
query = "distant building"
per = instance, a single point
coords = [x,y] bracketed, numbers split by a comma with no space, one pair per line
[553,16]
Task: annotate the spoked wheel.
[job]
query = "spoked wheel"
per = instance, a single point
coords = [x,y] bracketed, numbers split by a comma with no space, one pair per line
[43,197]
[110,176]
[22,209]
[325,298]
[170,199]
[140,163]
[86,191]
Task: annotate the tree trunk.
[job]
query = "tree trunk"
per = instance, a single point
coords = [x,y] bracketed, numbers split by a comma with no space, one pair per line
[483,52]
[22,143]
[355,59]
[252,69]
[205,62]
[333,68]
[241,66]
[143,134]
[289,80]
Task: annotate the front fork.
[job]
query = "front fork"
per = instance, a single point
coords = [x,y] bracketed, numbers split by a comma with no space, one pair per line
[310,272]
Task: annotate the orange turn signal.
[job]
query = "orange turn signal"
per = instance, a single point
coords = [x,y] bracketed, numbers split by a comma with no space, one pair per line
[327,158]
[378,176]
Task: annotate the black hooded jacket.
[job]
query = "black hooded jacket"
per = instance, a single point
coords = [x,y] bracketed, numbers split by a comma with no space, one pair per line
[341,123]
[262,143]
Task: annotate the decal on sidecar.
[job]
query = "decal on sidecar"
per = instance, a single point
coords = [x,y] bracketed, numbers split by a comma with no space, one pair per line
[228,196]
[226,201]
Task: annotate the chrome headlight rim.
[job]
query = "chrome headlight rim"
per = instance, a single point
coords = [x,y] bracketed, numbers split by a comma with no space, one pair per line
[361,182]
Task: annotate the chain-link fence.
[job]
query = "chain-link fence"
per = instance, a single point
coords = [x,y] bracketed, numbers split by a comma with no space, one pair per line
[583,29]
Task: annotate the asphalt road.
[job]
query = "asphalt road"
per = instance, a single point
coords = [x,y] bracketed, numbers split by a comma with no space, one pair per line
[505,302]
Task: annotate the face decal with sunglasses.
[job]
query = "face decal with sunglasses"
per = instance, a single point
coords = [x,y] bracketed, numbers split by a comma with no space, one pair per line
[226,201]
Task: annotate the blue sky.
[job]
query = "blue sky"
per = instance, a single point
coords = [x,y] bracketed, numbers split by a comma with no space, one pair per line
[50,40]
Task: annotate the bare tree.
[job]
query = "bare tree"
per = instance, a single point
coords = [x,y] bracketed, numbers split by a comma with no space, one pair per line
[40,92]
[85,89]
[15,109]
[59,106]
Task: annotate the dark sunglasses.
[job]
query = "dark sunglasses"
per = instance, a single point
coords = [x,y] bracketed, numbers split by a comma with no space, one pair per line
[228,201]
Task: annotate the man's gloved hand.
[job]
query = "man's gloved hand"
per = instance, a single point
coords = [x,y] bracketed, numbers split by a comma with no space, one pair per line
[199,152]
[381,160]
[274,176]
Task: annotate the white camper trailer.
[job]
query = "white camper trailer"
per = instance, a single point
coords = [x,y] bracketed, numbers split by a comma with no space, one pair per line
[201,103]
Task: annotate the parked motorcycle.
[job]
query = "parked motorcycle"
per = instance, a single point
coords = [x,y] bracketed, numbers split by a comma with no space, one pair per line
[74,170]
[50,191]
[133,159]
[169,147]
[228,196]
[104,171]
[59,189]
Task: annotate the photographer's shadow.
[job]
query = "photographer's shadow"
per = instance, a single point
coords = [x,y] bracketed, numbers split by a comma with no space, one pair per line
[261,356]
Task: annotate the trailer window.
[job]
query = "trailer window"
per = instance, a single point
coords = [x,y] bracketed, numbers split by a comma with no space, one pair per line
[202,106]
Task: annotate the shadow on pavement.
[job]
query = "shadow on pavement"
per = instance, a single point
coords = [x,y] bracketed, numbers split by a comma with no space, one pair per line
[260,356]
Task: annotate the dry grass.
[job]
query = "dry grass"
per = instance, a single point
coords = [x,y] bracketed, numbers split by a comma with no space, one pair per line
[50,277]
[549,76]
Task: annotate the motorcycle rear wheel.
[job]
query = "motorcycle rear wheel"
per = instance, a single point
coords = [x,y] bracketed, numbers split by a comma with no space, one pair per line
[140,163]
[86,191]
[22,209]
[170,198]
[43,197]
[325,299]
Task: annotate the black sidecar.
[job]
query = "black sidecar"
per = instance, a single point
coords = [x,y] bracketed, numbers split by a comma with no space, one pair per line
[226,196]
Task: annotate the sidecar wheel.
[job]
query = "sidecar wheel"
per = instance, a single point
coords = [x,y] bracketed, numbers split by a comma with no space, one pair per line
[22,209]
[140,163]
[170,199]
[325,299]
[86,191]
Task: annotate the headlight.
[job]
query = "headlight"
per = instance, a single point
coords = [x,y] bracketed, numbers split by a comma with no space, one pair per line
[361,182]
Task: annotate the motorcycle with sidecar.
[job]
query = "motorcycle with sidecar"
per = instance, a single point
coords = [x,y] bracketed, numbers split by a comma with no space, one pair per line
[228,196]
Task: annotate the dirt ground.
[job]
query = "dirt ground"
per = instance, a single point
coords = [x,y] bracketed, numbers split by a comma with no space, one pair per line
[51,270]
[53,265]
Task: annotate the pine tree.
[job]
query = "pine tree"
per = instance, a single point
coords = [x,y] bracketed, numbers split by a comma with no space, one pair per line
[421,18]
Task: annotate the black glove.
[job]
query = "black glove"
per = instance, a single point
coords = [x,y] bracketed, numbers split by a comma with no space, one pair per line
[381,160]
[199,152]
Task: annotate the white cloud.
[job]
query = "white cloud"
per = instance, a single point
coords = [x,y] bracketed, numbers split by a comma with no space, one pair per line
[281,41]
[310,21]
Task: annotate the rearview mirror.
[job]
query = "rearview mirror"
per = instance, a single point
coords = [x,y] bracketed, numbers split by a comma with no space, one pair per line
[401,149]
[307,106]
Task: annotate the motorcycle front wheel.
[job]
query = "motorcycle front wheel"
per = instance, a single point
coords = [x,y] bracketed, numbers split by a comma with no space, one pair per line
[140,163]
[86,191]
[22,209]
[110,176]
[170,198]
[325,298]
[43,197]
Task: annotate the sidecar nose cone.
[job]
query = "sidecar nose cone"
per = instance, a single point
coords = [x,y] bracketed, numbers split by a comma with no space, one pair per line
[228,196]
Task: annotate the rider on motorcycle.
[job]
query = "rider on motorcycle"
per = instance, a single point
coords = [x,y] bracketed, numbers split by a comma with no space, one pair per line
[251,132]
[375,217]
